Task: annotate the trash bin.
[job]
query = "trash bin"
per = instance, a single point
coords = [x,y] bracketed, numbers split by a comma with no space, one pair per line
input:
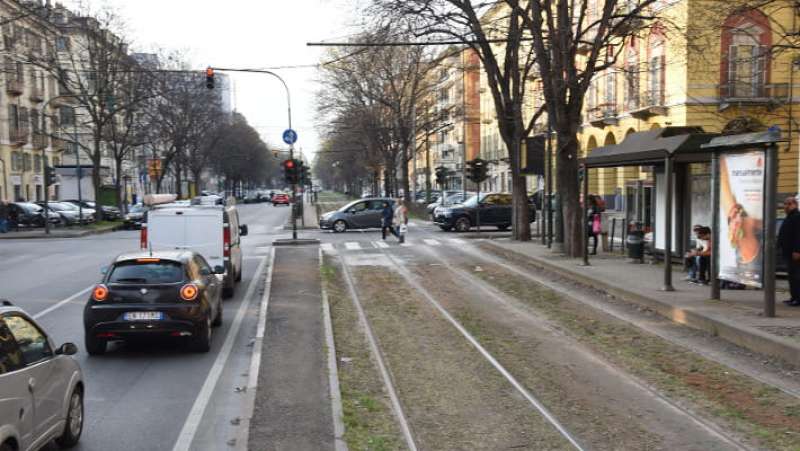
[635,243]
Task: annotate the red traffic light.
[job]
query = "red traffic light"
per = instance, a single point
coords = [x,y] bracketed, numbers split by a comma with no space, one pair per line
[288,164]
[210,72]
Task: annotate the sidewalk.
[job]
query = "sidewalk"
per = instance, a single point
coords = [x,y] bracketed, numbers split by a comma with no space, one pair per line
[59,233]
[737,318]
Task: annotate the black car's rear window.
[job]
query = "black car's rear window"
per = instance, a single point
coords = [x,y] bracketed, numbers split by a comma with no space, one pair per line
[135,272]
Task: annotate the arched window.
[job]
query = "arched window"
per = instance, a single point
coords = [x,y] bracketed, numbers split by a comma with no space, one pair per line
[656,68]
[746,43]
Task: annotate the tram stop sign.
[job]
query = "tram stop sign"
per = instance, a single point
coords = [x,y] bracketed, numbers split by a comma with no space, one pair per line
[290,136]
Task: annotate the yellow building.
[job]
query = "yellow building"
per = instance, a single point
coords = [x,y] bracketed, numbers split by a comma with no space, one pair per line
[703,63]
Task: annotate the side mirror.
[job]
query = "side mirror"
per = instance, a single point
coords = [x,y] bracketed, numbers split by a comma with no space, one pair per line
[104,270]
[67,349]
[219,269]
[243,230]
[205,272]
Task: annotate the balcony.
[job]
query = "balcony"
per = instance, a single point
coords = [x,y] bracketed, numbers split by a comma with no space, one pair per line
[651,104]
[753,94]
[603,115]
[37,95]
[39,141]
[18,137]
[14,87]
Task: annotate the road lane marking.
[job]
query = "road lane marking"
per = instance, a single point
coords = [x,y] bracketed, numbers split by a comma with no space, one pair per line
[60,304]
[352,246]
[255,359]
[333,372]
[457,241]
[406,243]
[380,245]
[430,242]
[327,247]
[189,429]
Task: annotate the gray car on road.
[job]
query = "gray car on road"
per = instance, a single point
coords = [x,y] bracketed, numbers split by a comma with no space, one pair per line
[41,386]
[359,214]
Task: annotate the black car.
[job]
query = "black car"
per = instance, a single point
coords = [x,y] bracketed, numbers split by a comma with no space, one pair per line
[29,215]
[495,210]
[168,294]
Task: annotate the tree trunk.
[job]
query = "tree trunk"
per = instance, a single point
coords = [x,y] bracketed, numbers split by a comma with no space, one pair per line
[404,175]
[519,193]
[568,189]
[178,180]
[118,185]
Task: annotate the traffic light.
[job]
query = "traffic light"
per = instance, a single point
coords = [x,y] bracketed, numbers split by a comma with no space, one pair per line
[210,78]
[478,170]
[50,176]
[291,171]
[441,175]
[305,177]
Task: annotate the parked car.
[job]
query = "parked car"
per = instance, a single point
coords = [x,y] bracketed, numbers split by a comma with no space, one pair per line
[495,210]
[28,214]
[451,198]
[281,199]
[135,217]
[41,386]
[69,213]
[211,230]
[109,213]
[165,293]
[359,214]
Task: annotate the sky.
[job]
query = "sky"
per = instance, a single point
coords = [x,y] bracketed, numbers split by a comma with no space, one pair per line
[248,34]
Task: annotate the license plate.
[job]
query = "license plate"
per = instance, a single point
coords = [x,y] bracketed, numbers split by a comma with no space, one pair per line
[143,316]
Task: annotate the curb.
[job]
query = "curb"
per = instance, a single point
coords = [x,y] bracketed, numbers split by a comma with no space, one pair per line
[747,337]
[80,234]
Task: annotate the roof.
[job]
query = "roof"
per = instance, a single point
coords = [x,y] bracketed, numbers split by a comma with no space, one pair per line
[743,140]
[652,146]
[174,255]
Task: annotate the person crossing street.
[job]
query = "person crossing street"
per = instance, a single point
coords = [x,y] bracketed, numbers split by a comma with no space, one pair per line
[401,220]
[387,220]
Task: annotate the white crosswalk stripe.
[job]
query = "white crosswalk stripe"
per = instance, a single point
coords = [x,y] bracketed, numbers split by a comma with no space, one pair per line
[457,241]
[432,242]
[379,245]
[328,247]
[352,246]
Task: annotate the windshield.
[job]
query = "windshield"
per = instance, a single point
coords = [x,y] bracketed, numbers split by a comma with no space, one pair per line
[146,273]
[31,207]
[137,209]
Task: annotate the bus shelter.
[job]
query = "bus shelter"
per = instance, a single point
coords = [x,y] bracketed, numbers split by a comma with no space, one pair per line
[669,151]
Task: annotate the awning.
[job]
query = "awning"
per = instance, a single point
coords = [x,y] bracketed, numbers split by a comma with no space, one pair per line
[650,147]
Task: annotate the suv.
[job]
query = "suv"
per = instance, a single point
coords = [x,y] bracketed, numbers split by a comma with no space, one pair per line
[41,386]
[495,210]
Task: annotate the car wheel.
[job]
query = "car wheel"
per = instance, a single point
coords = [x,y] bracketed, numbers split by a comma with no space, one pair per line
[227,291]
[95,346]
[445,228]
[503,227]
[6,447]
[74,427]
[239,276]
[201,341]
[463,225]
[218,318]
[339,226]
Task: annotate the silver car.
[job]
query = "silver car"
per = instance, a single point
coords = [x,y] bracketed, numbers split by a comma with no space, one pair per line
[41,386]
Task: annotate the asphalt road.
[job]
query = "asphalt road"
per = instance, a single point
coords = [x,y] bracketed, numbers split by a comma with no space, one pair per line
[139,396]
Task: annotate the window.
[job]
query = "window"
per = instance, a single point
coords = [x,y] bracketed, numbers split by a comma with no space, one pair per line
[611,90]
[359,207]
[146,273]
[62,43]
[10,355]
[31,341]
[66,116]
[631,78]
[13,121]
[746,44]
[16,161]
[27,162]
[37,164]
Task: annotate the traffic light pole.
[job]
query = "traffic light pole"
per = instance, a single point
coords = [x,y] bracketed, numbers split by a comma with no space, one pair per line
[291,146]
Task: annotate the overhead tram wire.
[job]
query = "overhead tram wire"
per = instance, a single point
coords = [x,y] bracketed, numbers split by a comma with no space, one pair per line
[414,44]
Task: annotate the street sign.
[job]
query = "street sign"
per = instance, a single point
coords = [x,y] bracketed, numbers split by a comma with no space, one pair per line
[290,136]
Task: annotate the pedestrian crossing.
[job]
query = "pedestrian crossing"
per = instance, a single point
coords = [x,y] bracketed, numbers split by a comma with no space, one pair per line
[353,246]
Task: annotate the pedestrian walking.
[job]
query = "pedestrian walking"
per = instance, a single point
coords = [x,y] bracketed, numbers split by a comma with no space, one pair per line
[4,214]
[401,220]
[594,225]
[789,244]
[387,220]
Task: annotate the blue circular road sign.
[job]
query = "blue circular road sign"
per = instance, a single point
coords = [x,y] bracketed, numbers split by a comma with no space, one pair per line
[290,136]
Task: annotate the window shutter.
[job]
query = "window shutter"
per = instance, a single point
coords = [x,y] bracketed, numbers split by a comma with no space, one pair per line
[760,70]
[730,89]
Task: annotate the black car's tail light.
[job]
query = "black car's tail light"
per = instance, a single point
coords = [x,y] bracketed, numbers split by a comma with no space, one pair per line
[189,292]
[100,293]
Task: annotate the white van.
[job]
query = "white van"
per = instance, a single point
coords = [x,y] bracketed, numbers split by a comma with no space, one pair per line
[209,229]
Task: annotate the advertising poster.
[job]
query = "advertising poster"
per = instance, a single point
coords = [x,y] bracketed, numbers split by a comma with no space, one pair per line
[741,239]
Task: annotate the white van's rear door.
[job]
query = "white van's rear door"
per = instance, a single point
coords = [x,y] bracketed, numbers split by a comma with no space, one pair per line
[203,234]
[165,230]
